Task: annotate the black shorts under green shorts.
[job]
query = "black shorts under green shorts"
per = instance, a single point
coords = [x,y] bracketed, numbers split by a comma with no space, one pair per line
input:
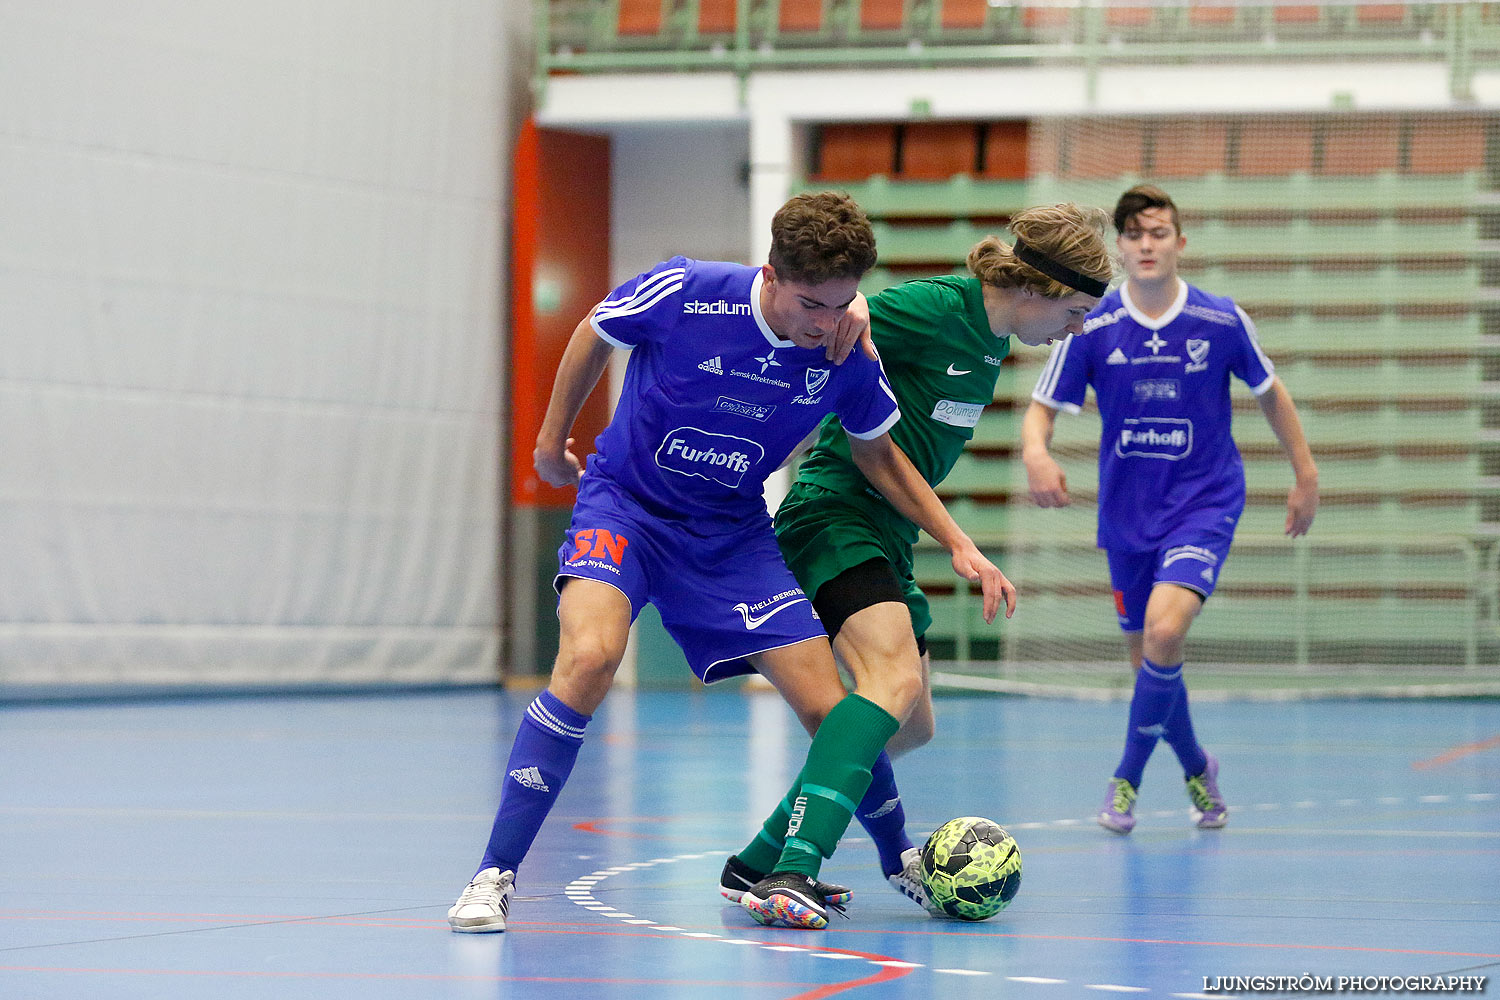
[823,534]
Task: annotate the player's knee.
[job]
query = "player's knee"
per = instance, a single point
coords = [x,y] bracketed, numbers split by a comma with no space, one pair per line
[586,660]
[1164,637]
[895,687]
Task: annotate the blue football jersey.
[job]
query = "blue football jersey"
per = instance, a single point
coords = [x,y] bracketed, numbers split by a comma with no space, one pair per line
[1166,458]
[713,400]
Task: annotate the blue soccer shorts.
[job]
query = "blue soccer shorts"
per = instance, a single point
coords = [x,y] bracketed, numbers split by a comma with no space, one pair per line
[1191,558]
[722,594]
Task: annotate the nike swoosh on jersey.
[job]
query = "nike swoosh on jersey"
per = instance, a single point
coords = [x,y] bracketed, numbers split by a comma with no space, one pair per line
[954,371]
[752,622]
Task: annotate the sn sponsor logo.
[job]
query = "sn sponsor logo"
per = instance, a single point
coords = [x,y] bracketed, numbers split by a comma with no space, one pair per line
[598,543]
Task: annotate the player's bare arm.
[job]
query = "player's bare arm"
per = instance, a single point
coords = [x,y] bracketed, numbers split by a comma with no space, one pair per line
[1302,500]
[1044,477]
[583,363]
[891,472]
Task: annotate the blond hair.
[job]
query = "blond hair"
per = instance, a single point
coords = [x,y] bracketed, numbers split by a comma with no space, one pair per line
[1071,235]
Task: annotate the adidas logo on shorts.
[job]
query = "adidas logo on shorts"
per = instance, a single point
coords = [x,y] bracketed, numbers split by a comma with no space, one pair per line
[714,365]
[530,777]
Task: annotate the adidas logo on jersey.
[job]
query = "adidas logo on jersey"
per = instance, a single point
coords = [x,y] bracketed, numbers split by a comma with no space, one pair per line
[531,778]
[1117,357]
[714,366]
[1208,574]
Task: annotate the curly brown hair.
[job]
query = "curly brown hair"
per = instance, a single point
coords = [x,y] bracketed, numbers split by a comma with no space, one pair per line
[1070,234]
[821,236]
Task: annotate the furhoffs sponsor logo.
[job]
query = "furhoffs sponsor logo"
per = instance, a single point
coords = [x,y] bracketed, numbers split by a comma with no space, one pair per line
[719,458]
[1170,438]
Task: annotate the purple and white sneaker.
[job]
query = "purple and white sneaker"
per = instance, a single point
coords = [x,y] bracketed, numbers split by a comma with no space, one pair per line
[1117,815]
[1209,810]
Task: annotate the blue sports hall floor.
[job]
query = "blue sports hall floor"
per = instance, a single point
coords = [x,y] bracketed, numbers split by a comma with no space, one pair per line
[296,847]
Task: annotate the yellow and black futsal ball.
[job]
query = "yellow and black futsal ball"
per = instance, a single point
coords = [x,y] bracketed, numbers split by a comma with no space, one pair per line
[971,868]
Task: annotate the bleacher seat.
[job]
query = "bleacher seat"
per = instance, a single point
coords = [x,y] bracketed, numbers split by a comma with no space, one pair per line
[962,15]
[1380,13]
[882,15]
[1210,15]
[1275,149]
[639,17]
[800,16]
[1297,14]
[1368,149]
[1437,147]
[1128,17]
[938,150]
[717,17]
[856,152]
[1006,150]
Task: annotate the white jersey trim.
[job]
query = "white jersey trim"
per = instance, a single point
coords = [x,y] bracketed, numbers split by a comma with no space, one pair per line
[1260,355]
[607,338]
[885,425]
[1056,404]
[1046,383]
[1173,311]
[647,294]
[760,319]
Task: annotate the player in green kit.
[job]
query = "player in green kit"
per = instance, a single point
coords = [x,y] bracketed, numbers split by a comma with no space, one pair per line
[941,341]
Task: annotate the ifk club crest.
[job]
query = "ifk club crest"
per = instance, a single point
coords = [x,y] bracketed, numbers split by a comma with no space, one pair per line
[815,380]
[1197,353]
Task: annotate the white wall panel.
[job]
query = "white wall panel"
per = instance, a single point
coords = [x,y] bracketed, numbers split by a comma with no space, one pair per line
[250,339]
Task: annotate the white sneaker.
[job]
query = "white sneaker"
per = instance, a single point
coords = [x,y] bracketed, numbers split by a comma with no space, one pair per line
[908,882]
[484,903]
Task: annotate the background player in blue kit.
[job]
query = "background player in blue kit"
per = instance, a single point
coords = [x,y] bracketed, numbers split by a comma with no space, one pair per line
[1171,483]
[727,376]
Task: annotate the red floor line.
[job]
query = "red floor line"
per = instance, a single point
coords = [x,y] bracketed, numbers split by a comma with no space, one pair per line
[597,826]
[885,974]
[1457,753]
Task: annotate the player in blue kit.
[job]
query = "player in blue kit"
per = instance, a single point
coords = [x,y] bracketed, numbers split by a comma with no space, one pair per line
[730,370]
[1159,355]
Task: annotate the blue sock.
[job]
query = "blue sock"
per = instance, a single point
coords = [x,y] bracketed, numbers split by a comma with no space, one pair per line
[540,761]
[1183,741]
[882,816]
[1156,690]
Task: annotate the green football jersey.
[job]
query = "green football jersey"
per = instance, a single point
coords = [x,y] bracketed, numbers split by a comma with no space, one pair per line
[942,362]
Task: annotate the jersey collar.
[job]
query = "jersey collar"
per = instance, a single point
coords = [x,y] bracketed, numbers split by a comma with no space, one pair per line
[760,320]
[1172,312]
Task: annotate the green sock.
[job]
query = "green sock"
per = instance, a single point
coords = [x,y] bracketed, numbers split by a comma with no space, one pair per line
[764,851]
[832,782]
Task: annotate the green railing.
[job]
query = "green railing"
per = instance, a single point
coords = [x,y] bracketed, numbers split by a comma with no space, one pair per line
[585,36]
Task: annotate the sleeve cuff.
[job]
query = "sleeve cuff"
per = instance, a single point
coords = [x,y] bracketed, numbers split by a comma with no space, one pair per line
[1054,404]
[606,337]
[885,425]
